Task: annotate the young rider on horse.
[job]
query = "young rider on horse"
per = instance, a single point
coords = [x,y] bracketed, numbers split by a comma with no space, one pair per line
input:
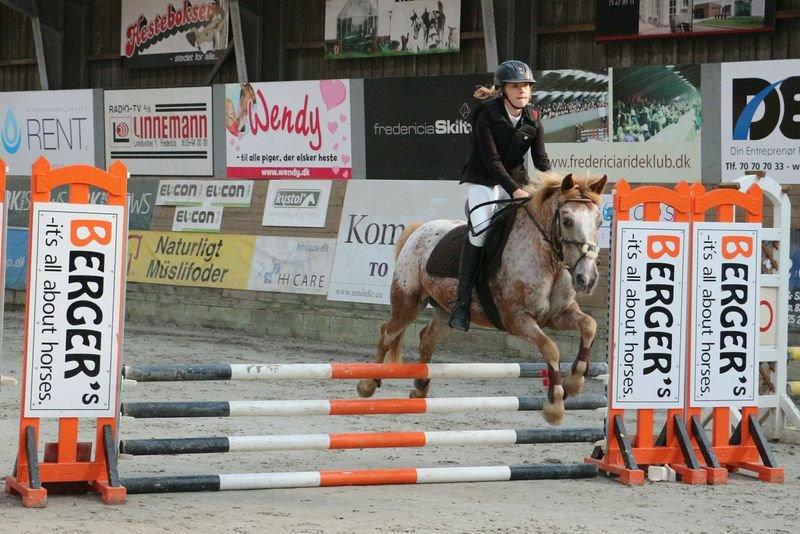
[506,127]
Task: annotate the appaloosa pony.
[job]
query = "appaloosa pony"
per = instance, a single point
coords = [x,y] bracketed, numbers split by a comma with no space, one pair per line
[551,253]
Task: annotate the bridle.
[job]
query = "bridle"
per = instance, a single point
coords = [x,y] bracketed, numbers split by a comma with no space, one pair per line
[554,239]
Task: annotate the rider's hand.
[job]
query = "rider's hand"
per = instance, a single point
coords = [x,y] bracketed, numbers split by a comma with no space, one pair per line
[519,193]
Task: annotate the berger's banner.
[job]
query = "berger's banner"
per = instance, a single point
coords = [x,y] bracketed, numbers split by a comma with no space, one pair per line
[726,309]
[288,129]
[432,132]
[760,103]
[374,215]
[58,125]
[162,132]
[292,265]
[74,305]
[201,260]
[649,133]
[367,28]
[649,349]
[639,19]
[160,33]
[297,203]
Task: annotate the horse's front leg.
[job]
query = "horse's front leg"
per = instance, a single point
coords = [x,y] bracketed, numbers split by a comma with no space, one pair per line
[526,327]
[573,318]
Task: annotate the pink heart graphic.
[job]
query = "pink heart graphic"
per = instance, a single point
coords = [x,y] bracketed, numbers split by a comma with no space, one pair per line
[336,170]
[342,118]
[333,93]
[345,174]
[345,159]
[336,146]
[332,127]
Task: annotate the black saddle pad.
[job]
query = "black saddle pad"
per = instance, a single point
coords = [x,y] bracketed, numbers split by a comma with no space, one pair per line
[443,261]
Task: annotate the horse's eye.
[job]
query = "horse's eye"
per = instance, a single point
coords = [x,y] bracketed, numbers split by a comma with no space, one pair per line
[568,223]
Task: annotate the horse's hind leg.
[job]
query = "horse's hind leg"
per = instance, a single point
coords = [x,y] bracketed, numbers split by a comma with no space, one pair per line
[430,337]
[574,319]
[404,311]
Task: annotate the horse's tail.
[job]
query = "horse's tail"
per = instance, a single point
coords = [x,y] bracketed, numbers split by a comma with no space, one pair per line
[401,241]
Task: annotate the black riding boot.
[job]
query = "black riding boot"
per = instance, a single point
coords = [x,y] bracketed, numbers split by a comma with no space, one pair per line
[470,255]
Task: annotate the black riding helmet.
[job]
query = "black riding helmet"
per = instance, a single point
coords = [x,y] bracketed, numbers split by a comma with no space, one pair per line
[512,71]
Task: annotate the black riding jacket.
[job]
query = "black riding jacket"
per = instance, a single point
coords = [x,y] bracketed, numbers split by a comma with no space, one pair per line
[491,161]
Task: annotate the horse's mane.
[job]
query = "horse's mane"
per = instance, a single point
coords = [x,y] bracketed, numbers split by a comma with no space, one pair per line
[549,184]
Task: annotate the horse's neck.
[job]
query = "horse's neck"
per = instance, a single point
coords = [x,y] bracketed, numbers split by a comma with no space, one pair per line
[526,240]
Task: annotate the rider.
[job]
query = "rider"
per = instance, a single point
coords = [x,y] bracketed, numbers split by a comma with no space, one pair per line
[506,127]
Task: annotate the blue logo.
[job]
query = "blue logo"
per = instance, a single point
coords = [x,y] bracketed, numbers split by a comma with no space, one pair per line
[741,130]
[10,136]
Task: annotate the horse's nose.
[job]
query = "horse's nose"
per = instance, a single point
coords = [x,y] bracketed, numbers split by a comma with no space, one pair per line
[581,280]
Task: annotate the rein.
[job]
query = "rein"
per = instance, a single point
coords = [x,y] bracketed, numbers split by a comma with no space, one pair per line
[588,250]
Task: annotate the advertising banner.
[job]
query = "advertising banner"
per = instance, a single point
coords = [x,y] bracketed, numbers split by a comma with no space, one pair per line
[289,130]
[73,310]
[163,33]
[200,260]
[649,349]
[58,125]
[368,28]
[200,202]
[292,265]
[374,215]
[297,203]
[17,258]
[759,126]
[160,132]
[419,138]
[640,19]
[726,314]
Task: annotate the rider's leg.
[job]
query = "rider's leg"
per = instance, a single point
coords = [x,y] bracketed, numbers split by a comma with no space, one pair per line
[471,251]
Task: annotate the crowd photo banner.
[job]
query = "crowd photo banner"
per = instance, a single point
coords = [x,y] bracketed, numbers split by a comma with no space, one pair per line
[368,28]
[56,124]
[640,123]
[646,19]
[162,33]
[161,132]
[294,130]
[759,105]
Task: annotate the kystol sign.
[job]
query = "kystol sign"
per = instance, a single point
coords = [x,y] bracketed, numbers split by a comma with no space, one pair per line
[649,349]
[297,203]
[289,130]
[760,103]
[424,134]
[56,124]
[158,33]
[160,132]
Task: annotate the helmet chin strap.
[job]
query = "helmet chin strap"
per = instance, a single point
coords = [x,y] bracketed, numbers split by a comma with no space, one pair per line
[510,103]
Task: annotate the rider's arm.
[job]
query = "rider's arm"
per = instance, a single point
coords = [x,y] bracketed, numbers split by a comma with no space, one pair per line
[538,154]
[491,159]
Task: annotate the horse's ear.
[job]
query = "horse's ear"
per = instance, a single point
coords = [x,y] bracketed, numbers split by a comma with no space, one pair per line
[599,185]
[567,183]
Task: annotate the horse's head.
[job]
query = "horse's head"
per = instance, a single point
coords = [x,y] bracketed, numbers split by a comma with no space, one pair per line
[568,211]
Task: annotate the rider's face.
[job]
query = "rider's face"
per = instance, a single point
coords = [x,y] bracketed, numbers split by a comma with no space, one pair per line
[518,93]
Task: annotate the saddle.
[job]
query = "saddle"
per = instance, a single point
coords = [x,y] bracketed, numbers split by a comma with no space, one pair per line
[443,261]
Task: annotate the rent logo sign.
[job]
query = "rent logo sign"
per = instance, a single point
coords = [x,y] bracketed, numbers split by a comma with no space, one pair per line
[73,310]
[726,311]
[650,302]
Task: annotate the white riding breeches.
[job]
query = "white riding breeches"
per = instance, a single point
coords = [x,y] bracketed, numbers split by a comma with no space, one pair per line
[481,217]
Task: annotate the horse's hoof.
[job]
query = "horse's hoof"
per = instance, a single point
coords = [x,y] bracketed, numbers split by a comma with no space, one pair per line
[573,384]
[366,388]
[553,412]
[418,393]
